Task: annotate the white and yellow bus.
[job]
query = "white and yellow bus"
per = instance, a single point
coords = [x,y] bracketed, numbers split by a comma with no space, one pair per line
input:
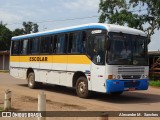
[88,57]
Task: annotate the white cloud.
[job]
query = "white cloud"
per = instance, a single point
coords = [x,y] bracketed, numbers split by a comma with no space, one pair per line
[155,41]
[82,5]
[9,17]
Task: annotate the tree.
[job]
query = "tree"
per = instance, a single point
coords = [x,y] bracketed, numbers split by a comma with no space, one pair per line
[5,37]
[30,27]
[17,32]
[6,34]
[139,14]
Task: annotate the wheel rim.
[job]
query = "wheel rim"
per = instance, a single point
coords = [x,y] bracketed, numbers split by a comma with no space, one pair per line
[31,80]
[82,87]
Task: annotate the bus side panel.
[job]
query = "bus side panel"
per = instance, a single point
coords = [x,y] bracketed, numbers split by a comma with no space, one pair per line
[53,78]
[14,71]
[53,75]
[14,66]
[45,68]
[60,69]
[78,68]
[34,64]
[77,63]
[24,65]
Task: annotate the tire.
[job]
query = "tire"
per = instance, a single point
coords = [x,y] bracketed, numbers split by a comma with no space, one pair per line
[31,81]
[82,88]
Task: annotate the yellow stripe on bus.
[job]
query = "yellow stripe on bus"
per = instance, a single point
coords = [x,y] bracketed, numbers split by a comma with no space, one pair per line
[71,59]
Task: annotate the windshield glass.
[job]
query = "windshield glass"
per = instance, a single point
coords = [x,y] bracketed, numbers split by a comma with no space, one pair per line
[127,49]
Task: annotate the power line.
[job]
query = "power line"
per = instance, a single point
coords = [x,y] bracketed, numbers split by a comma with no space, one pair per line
[71,19]
[60,20]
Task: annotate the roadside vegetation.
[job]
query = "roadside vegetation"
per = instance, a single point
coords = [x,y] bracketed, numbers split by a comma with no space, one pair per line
[4,71]
[155,83]
[1,109]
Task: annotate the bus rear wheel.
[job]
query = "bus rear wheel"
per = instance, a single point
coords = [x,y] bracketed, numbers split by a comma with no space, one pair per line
[82,88]
[31,81]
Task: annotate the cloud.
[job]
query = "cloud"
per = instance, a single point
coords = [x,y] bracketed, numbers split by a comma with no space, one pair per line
[9,17]
[82,5]
[155,41]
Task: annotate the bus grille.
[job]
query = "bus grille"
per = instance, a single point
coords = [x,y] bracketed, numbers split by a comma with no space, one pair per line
[131,71]
[131,76]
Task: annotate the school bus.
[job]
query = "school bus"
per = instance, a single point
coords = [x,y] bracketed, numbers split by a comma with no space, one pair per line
[91,57]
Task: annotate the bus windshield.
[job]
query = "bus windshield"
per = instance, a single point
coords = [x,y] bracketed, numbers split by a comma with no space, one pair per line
[127,49]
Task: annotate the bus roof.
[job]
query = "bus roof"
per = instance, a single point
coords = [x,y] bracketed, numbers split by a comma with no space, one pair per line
[108,27]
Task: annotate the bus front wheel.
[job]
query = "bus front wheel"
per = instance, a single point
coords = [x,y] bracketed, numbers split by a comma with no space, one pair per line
[31,81]
[82,88]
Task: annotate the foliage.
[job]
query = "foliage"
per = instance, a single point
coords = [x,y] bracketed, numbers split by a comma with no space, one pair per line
[28,27]
[6,34]
[1,109]
[133,13]
[5,37]
[17,32]
[155,83]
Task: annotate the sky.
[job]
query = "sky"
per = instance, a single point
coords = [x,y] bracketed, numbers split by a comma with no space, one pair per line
[46,13]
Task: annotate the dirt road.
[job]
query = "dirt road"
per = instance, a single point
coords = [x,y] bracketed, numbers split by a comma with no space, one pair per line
[65,99]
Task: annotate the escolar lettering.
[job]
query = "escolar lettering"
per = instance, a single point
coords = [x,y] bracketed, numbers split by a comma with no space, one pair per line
[38,59]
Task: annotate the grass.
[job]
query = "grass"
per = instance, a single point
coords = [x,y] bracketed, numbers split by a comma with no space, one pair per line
[155,83]
[4,71]
[1,109]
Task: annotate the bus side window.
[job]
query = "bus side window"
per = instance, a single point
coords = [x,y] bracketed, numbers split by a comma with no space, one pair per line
[15,47]
[54,43]
[45,44]
[71,43]
[66,41]
[83,43]
[24,47]
[76,42]
[60,44]
[77,39]
[34,45]
[51,44]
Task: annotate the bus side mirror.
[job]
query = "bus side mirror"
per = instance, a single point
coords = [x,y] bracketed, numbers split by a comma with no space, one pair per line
[108,42]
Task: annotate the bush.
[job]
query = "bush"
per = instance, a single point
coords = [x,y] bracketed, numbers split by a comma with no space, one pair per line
[154,83]
[1,109]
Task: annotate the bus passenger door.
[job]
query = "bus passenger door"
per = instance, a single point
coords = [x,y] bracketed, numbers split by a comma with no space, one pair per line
[98,77]
[96,51]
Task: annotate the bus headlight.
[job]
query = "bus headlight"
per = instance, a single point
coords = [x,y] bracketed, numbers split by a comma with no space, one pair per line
[114,76]
[118,76]
[144,76]
[110,77]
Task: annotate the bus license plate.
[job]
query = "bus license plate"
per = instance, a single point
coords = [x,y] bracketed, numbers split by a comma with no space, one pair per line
[131,89]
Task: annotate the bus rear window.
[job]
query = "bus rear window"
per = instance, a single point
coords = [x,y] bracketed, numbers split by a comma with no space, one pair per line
[15,47]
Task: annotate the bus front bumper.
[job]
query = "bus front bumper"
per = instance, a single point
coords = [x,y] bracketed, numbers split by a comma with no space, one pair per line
[126,85]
